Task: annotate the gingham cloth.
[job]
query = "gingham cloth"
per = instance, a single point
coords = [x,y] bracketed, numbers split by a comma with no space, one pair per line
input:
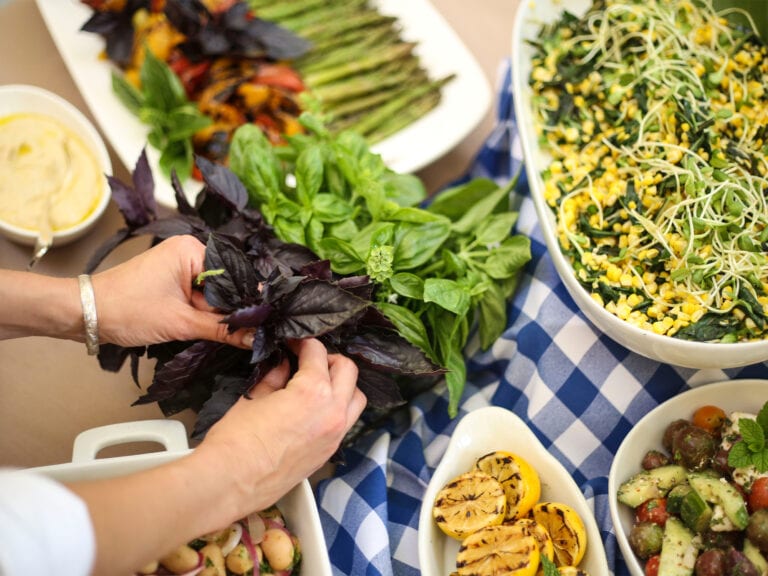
[578,390]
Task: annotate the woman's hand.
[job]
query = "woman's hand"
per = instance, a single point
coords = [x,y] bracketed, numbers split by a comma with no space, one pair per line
[149,299]
[287,429]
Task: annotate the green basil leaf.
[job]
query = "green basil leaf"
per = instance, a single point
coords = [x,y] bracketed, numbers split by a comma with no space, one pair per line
[414,216]
[416,244]
[453,263]
[476,214]
[492,319]
[408,285]
[162,89]
[497,228]
[252,158]
[453,202]
[177,156]
[403,189]
[506,260]
[447,294]
[127,93]
[408,325]
[309,174]
[331,208]
[289,230]
[345,230]
[183,122]
[315,232]
[344,258]
[455,378]
[375,234]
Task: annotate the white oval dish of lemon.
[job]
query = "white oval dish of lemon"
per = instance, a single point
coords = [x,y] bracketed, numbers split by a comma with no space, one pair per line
[53,167]
[480,432]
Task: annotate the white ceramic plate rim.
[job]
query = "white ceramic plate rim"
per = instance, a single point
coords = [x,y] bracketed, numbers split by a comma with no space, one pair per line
[528,19]
[480,432]
[730,395]
[465,100]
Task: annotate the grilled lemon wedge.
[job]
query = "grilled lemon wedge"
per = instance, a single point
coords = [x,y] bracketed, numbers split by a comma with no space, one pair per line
[521,483]
[496,551]
[566,529]
[469,502]
[529,527]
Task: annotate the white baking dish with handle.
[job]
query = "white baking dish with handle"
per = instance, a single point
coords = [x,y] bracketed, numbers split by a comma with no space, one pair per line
[298,506]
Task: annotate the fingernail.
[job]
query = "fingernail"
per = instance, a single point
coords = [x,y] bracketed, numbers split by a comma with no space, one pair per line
[248,339]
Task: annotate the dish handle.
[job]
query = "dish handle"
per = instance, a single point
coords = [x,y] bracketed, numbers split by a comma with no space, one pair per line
[170,433]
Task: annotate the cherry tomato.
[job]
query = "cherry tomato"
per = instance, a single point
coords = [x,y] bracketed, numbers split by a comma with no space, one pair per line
[711,418]
[653,510]
[758,495]
[652,566]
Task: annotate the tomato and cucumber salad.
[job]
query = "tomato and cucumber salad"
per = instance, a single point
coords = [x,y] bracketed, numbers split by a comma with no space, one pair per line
[700,501]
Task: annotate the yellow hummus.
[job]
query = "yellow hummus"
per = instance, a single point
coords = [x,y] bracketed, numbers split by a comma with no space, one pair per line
[43,163]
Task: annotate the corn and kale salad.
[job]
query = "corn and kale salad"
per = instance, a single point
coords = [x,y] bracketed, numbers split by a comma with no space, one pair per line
[655,117]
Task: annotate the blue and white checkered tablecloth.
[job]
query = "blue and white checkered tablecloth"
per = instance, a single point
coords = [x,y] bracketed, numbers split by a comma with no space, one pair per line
[578,390]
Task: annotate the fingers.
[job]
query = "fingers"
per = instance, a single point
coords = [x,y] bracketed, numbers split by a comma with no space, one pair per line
[275,379]
[312,354]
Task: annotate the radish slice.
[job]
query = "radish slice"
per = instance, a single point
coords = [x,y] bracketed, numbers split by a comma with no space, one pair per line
[248,543]
[235,534]
[256,528]
[200,567]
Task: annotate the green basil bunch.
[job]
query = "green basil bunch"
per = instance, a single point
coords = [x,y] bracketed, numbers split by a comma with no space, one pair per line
[438,269]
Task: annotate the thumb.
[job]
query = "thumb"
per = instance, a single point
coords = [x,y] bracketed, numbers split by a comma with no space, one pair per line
[275,379]
[208,326]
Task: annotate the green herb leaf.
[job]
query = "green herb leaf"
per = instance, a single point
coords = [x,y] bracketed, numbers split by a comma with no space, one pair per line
[752,434]
[751,450]
[549,567]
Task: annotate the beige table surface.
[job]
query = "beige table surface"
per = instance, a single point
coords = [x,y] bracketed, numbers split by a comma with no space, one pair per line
[51,390]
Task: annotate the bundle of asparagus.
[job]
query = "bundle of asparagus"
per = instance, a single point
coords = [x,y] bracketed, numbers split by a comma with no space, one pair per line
[360,72]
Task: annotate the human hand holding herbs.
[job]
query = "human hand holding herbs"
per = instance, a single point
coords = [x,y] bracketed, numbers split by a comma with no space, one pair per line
[318,239]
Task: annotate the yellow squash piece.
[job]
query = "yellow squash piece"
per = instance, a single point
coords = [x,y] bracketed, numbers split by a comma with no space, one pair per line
[468,503]
[520,481]
[497,551]
[566,529]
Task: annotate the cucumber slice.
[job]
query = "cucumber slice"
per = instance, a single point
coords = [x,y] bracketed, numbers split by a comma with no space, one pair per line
[654,483]
[754,555]
[695,512]
[678,552]
[675,497]
[720,492]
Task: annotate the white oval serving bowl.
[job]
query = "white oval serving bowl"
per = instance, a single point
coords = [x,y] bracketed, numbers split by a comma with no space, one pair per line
[19,98]
[665,349]
[731,395]
[482,431]
[298,506]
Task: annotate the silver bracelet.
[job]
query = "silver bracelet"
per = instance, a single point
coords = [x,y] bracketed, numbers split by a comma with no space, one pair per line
[88,301]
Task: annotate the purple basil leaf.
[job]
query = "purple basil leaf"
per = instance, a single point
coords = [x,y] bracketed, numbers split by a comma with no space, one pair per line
[278,286]
[315,308]
[279,42]
[264,344]
[186,15]
[360,286]
[144,184]
[380,389]
[226,391]
[388,351]
[174,375]
[166,227]
[248,317]
[112,357]
[223,183]
[320,270]
[182,203]
[238,285]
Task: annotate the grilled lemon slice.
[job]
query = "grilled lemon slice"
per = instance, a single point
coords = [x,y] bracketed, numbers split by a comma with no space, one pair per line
[468,503]
[520,481]
[529,527]
[496,551]
[566,529]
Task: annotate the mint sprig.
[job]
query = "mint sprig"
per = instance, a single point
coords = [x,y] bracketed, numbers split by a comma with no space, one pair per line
[752,449]
[549,567]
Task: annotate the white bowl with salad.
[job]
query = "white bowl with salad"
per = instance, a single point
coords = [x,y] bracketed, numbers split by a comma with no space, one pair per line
[648,175]
[679,486]
[295,515]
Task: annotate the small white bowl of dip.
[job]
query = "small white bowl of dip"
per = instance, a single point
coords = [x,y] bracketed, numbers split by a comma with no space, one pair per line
[53,163]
